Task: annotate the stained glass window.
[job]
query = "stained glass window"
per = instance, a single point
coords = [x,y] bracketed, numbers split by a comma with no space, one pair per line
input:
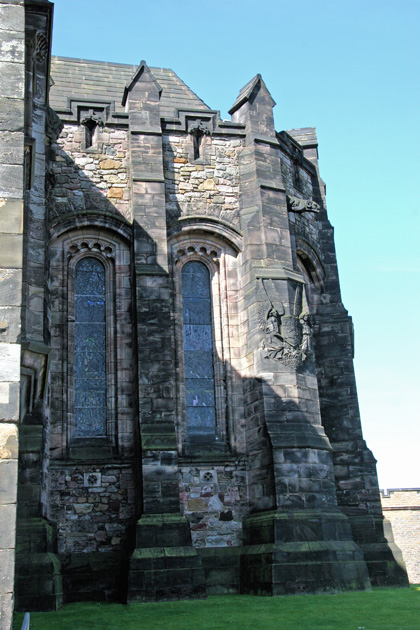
[198,350]
[89,349]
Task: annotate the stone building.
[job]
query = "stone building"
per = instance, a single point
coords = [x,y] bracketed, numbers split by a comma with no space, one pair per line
[177,397]
[401,507]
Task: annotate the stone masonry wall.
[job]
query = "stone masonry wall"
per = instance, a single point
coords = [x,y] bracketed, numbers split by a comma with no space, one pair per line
[214,500]
[402,509]
[305,188]
[93,178]
[91,505]
[208,186]
[12,68]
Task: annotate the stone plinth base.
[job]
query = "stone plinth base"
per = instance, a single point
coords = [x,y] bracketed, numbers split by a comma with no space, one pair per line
[38,569]
[222,569]
[300,552]
[164,565]
[383,558]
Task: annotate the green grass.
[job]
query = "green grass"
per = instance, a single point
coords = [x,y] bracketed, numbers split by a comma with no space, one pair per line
[380,609]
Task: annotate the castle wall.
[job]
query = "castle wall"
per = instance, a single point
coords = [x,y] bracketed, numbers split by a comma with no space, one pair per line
[401,508]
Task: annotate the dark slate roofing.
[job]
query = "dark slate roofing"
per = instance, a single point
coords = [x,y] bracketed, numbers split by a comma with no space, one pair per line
[100,80]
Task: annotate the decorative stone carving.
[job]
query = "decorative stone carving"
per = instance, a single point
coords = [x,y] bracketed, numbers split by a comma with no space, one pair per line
[198,128]
[295,204]
[41,47]
[287,337]
[93,245]
[92,118]
[54,125]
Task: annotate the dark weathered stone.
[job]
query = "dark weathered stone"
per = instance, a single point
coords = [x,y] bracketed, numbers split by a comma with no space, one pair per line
[272,488]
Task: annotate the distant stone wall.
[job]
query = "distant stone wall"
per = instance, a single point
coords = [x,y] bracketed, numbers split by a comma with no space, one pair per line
[402,509]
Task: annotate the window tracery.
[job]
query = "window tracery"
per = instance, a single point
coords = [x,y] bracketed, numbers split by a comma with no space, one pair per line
[198,350]
[206,300]
[91,369]
[90,406]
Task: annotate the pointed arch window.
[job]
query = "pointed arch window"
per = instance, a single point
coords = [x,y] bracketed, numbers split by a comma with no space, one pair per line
[90,404]
[198,350]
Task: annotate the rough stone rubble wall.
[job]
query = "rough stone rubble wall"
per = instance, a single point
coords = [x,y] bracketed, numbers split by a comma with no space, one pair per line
[85,180]
[402,509]
[209,186]
[89,517]
[214,500]
[92,505]
[12,68]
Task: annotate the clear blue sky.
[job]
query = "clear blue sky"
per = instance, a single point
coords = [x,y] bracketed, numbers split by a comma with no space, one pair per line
[351,69]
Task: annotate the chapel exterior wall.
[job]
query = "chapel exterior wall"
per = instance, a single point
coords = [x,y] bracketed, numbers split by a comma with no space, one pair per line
[148,195]
[92,501]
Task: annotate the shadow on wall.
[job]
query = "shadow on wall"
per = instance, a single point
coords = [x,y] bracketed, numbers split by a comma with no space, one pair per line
[76,200]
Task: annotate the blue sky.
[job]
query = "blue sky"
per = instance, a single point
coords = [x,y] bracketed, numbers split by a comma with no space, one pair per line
[351,69]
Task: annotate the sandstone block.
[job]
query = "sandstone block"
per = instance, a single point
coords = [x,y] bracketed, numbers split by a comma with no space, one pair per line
[110,164]
[208,184]
[115,193]
[8,441]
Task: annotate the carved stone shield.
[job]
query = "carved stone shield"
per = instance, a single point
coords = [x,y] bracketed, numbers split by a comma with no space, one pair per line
[291,331]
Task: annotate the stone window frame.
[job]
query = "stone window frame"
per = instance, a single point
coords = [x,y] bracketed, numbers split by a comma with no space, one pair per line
[212,253]
[88,249]
[114,253]
[310,266]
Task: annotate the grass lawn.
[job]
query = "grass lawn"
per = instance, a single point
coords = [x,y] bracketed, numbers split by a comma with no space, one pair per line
[380,609]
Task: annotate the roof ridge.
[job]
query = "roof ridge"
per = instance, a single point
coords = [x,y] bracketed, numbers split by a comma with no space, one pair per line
[106,63]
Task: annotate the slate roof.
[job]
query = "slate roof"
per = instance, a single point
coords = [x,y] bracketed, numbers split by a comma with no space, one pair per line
[84,79]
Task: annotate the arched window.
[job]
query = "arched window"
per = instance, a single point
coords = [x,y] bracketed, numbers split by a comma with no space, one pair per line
[198,350]
[313,274]
[90,393]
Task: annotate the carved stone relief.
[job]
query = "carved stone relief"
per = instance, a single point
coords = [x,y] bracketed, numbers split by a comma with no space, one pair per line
[295,204]
[287,332]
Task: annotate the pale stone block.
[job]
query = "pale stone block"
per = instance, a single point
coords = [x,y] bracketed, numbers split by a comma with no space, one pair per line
[7,534]
[11,251]
[9,401]
[8,481]
[9,362]
[11,215]
[8,441]
[7,564]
